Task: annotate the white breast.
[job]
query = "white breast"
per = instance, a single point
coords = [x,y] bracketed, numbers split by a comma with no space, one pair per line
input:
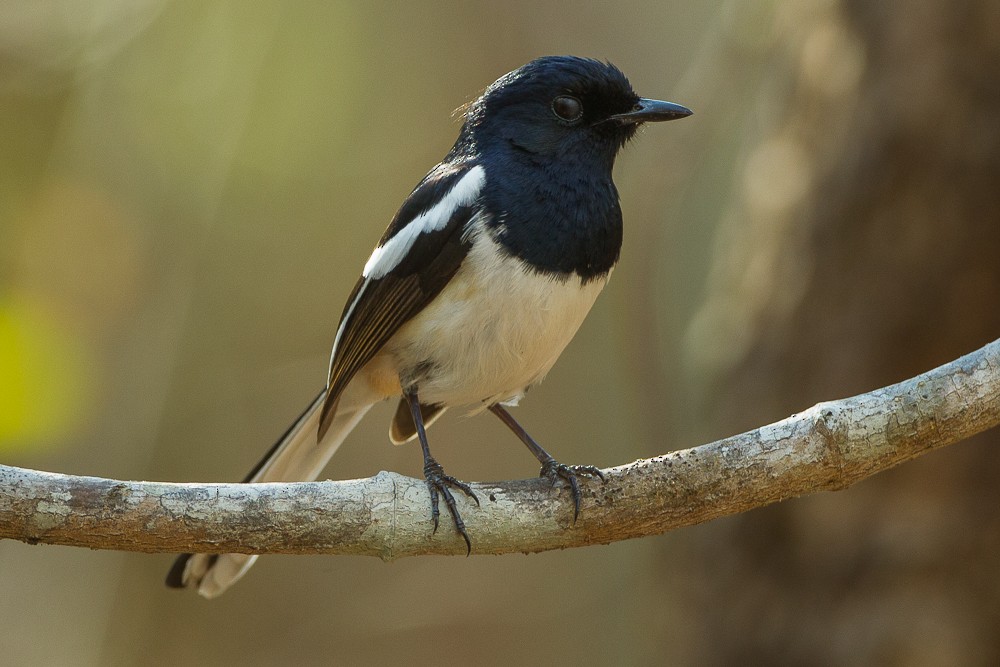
[495,330]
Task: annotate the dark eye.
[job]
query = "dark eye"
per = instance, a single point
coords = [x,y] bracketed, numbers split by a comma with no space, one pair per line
[567,108]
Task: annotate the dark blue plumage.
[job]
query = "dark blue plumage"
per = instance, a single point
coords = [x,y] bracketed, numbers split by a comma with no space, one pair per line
[549,192]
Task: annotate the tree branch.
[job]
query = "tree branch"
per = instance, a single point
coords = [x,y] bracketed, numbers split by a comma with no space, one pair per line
[830,446]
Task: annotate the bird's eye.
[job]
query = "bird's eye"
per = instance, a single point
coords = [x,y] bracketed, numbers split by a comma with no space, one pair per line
[567,108]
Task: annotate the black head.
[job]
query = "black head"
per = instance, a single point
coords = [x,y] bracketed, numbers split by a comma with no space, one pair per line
[561,107]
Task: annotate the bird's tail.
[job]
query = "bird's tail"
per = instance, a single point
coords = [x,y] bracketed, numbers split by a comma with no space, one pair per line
[296,456]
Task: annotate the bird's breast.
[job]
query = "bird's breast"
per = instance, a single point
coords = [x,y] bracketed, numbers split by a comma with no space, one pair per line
[563,218]
[495,330]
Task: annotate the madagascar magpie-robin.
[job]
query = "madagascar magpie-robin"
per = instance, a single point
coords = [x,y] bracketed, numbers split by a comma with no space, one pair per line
[483,276]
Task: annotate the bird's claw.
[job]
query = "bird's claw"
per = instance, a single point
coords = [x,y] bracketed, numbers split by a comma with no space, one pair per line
[439,482]
[554,471]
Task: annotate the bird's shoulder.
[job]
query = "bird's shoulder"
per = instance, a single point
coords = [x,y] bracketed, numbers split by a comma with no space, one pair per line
[431,191]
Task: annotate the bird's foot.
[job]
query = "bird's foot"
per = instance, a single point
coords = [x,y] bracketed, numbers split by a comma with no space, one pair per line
[554,471]
[438,483]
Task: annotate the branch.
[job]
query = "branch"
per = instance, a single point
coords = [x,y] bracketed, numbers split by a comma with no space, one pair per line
[828,447]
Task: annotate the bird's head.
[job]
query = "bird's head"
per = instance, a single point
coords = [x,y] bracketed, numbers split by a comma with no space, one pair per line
[562,107]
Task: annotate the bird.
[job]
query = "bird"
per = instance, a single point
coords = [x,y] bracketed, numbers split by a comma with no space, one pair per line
[481,279]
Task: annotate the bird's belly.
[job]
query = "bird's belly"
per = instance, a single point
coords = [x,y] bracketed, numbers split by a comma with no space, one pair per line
[495,330]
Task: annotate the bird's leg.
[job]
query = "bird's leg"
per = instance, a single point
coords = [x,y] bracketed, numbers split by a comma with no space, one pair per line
[551,468]
[437,481]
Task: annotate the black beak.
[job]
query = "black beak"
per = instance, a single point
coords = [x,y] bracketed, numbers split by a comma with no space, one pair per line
[651,111]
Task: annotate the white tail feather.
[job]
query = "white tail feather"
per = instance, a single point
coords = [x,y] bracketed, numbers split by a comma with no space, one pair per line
[298,457]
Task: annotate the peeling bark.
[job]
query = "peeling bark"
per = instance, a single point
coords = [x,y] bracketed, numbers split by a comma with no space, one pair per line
[828,447]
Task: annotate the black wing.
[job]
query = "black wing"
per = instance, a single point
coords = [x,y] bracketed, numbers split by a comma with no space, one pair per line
[387,297]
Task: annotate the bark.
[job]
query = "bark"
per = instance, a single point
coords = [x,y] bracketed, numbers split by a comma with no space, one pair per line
[829,446]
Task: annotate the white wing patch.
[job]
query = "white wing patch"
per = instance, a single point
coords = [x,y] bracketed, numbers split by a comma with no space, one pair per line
[387,257]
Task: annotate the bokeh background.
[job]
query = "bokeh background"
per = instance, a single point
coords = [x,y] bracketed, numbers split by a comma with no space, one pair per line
[188,189]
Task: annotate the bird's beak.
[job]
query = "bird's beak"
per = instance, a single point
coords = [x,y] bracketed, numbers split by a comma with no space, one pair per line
[651,111]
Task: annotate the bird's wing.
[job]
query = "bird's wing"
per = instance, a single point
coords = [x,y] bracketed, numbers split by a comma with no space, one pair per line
[419,253]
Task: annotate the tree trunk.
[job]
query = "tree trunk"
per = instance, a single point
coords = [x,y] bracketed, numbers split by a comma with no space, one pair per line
[865,246]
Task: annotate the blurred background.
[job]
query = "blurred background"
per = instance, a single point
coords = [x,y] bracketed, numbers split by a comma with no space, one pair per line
[189,189]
